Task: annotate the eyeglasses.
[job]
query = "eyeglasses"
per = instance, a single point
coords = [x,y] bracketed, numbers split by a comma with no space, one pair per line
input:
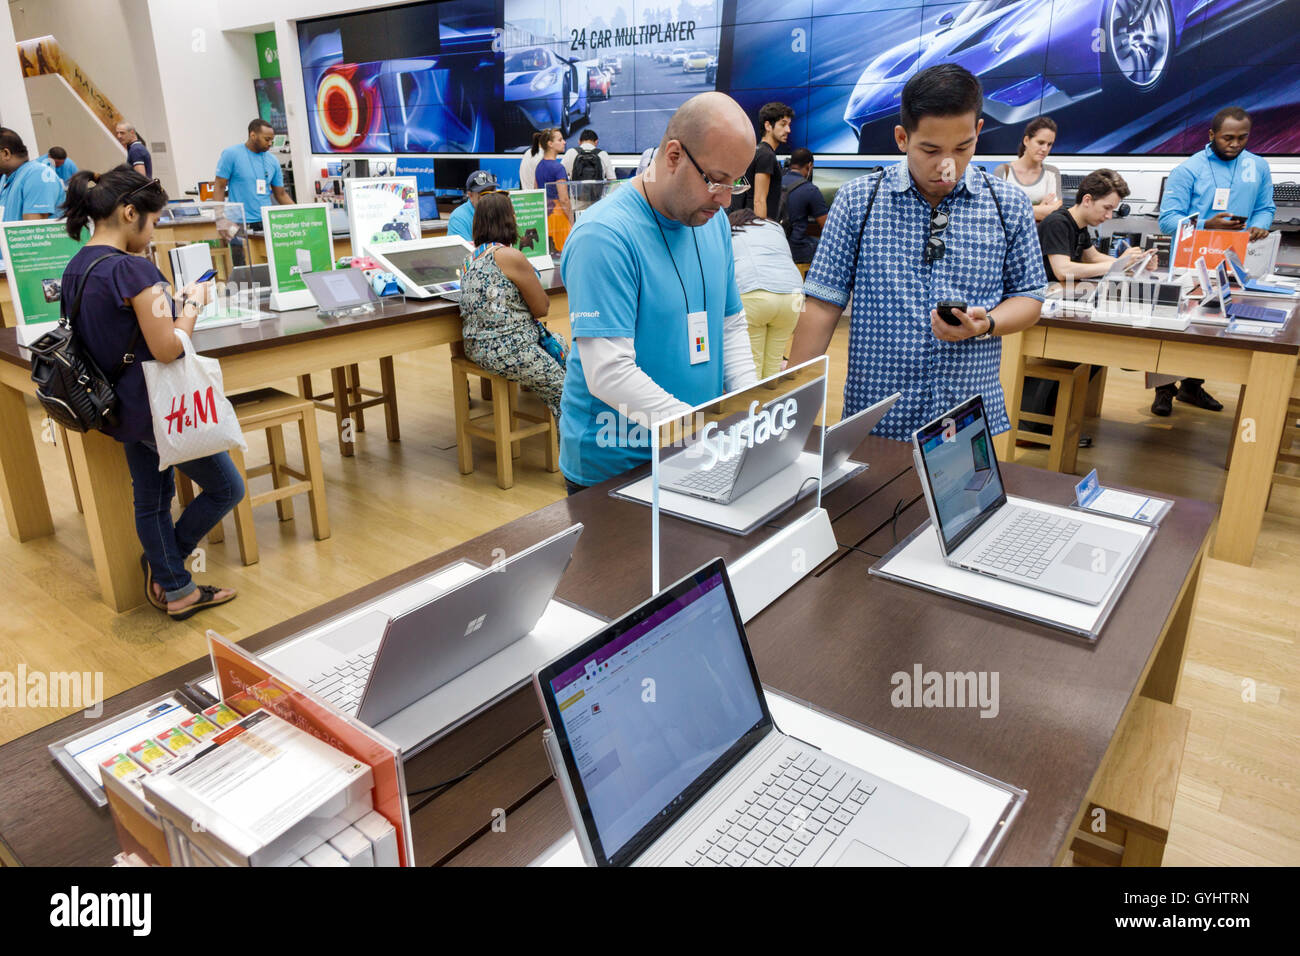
[934,247]
[736,188]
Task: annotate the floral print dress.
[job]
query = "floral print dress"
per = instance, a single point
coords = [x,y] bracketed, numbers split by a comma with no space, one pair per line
[500,333]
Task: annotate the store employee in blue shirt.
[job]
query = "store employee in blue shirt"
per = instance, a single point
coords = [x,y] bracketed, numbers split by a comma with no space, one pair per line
[461,221]
[939,228]
[57,159]
[251,173]
[658,325]
[28,189]
[1221,181]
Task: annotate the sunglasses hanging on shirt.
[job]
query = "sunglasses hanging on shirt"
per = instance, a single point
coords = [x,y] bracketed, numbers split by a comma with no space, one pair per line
[934,246]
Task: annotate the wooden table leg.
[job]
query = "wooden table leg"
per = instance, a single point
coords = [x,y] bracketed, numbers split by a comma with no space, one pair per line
[342,409]
[1167,669]
[27,510]
[110,518]
[1263,411]
[388,384]
[1011,373]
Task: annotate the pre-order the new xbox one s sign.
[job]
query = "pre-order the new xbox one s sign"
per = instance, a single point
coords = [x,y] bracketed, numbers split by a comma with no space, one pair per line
[530,219]
[298,240]
[35,254]
[385,209]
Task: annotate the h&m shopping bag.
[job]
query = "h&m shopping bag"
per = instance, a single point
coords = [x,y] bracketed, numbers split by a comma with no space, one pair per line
[192,418]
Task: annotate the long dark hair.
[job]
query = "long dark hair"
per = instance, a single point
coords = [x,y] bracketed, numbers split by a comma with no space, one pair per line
[494,220]
[1032,130]
[541,138]
[93,197]
[742,218]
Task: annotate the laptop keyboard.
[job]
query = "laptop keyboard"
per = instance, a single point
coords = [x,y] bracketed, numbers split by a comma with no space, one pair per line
[1256,312]
[1028,544]
[718,480]
[344,685]
[789,819]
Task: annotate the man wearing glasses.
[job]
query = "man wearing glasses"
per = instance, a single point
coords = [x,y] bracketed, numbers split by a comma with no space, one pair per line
[930,229]
[658,326]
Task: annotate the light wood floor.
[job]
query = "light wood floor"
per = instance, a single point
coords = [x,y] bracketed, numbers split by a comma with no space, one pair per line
[394,504]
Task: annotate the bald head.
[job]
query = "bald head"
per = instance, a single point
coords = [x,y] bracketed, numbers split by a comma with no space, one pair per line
[710,116]
[709,140]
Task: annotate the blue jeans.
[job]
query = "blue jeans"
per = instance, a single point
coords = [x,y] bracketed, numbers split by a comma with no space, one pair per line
[167,545]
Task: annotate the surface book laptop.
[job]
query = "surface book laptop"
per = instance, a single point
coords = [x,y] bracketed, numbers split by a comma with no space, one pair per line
[700,775]
[844,437]
[374,666]
[980,531]
[724,482]
[1240,310]
[1248,284]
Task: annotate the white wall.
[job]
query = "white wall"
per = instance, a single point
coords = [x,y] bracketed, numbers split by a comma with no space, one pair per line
[14,109]
[61,118]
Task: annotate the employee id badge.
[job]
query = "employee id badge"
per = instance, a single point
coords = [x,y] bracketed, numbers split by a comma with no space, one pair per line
[697,335]
[261,187]
[1220,199]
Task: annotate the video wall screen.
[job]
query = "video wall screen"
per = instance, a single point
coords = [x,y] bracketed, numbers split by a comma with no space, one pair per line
[481,76]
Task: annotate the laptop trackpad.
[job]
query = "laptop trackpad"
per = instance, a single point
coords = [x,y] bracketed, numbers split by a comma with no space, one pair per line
[356,634]
[859,854]
[1091,557]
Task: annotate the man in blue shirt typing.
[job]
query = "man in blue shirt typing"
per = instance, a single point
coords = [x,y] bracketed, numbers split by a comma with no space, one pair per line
[1226,185]
[937,229]
[658,326]
[249,174]
[461,221]
[57,159]
[28,190]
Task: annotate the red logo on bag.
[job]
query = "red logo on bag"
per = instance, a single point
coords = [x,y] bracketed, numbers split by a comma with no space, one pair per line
[179,419]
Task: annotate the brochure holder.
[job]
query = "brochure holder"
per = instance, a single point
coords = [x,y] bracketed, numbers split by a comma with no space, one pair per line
[918,561]
[1142,302]
[991,805]
[531,222]
[381,210]
[298,240]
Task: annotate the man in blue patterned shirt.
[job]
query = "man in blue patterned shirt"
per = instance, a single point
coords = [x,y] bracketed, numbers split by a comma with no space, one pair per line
[937,229]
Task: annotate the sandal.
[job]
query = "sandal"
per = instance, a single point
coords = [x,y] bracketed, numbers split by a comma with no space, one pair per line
[207,598]
[152,598]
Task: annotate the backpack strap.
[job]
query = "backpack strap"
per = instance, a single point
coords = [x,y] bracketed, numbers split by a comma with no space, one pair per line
[862,228]
[68,315]
[996,202]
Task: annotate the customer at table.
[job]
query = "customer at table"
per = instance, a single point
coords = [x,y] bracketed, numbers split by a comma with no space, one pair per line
[1069,252]
[938,229]
[28,190]
[501,301]
[770,287]
[57,159]
[461,221]
[637,266]
[1040,181]
[127,309]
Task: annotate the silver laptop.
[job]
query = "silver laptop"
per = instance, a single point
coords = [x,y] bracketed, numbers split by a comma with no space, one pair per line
[844,437]
[376,665]
[699,774]
[979,530]
[688,473]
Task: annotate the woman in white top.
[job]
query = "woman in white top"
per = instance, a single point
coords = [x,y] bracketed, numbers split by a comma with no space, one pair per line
[532,156]
[1041,182]
[770,287]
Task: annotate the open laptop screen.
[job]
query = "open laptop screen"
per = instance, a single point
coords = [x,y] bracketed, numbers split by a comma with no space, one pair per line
[951,447]
[653,711]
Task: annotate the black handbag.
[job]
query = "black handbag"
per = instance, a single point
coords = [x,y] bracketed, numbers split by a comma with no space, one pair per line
[70,386]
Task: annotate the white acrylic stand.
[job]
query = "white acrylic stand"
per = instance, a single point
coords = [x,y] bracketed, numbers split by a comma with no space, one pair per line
[766,572]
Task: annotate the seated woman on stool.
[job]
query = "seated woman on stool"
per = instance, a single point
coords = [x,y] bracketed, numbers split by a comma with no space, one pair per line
[127,307]
[500,303]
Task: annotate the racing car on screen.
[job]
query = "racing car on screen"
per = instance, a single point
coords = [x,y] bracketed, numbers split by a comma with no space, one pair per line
[544,90]
[1035,57]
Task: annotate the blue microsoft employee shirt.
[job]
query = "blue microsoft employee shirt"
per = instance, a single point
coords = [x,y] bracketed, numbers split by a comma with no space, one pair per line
[461,221]
[622,284]
[1190,189]
[64,172]
[31,189]
[242,168]
[891,344]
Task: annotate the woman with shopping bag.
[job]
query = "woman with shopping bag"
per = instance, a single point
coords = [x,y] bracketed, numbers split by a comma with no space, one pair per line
[125,316]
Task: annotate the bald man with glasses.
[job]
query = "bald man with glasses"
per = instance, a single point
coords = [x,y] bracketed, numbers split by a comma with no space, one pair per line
[658,325]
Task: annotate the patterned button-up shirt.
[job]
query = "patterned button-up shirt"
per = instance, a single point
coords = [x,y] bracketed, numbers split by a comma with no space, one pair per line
[891,345]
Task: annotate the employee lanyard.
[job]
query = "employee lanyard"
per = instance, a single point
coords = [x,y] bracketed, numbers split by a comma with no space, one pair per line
[703,281]
[1231,179]
[253,172]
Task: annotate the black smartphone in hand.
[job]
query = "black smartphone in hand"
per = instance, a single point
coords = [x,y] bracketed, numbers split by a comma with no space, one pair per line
[211,273]
[946,308]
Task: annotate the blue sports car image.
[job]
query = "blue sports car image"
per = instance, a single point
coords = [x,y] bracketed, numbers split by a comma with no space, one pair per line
[541,90]
[1035,57]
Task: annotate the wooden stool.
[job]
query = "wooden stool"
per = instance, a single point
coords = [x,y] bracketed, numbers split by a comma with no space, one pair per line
[505,412]
[1066,419]
[1136,788]
[270,409]
[346,382]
